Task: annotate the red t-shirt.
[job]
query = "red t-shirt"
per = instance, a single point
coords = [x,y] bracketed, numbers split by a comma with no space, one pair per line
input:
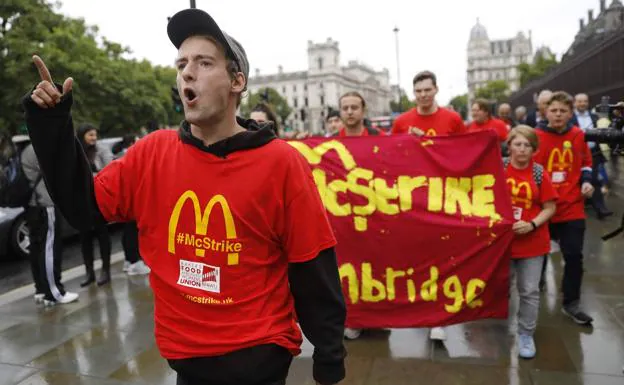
[218,234]
[527,201]
[564,157]
[493,124]
[441,122]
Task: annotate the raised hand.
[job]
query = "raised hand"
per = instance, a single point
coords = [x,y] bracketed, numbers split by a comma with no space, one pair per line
[46,95]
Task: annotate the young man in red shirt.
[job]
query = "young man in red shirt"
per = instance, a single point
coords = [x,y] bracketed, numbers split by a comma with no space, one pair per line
[427,118]
[227,281]
[567,159]
[352,110]
[483,120]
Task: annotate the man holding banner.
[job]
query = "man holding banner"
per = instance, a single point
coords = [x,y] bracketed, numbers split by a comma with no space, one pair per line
[352,112]
[227,281]
[427,118]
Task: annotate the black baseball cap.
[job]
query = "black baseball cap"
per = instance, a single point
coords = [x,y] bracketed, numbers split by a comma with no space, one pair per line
[194,22]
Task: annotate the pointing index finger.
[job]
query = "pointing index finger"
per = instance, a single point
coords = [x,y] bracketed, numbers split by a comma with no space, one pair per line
[43,70]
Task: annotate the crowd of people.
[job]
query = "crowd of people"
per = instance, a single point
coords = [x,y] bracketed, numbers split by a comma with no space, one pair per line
[44,224]
[286,278]
[536,147]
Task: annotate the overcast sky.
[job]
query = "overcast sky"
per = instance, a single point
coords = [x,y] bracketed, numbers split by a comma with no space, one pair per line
[433,34]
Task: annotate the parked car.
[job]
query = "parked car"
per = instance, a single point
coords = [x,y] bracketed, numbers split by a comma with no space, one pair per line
[14,241]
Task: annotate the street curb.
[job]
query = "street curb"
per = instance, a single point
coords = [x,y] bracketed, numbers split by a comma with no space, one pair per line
[69,274]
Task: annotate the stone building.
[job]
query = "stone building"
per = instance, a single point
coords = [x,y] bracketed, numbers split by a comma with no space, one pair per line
[310,93]
[495,59]
[608,22]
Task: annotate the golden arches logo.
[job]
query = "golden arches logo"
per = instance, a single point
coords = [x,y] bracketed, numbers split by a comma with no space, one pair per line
[515,192]
[314,156]
[202,221]
[431,132]
[563,159]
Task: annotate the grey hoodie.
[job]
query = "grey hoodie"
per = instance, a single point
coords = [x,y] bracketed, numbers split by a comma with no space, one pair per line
[40,197]
[103,156]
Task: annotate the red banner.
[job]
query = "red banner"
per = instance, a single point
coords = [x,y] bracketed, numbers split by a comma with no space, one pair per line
[423,226]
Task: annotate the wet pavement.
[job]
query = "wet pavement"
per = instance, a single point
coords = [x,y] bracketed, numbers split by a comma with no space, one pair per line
[106,338]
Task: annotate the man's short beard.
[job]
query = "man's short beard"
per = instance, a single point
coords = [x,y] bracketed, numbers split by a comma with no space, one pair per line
[358,124]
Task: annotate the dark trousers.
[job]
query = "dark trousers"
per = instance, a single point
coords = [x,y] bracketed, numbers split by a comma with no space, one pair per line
[597,200]
[258,365]
[101,232]
[45,250]
[570,236]
[130,242]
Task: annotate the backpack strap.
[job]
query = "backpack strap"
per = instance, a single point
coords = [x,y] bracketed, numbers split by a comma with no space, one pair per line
[538,171]
[538,174]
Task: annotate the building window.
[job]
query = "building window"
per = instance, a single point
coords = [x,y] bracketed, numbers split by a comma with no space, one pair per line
[305,101]
[305,87]
[322,100]
[294,87]
[320,63]
[295,102]
[283,89]
[321,85]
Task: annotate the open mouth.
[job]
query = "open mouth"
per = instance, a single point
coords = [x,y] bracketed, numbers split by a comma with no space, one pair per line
[189,95]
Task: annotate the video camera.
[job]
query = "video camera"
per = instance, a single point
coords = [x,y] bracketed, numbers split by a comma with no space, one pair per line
[610,123]
[610,131]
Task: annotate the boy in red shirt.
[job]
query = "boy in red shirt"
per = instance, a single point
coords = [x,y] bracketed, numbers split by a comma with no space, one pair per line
[228,280]
[483,120]
[568,161]
[427,118]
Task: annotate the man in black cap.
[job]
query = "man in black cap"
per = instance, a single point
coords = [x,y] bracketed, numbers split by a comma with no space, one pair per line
[229,283]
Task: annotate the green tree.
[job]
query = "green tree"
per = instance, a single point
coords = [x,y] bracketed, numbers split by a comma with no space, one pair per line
[269,96]
[405,104]
[542,63]
[495,91]
[460,104]
[117,94]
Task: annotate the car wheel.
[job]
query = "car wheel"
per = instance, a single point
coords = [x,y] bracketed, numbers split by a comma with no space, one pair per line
[20,240]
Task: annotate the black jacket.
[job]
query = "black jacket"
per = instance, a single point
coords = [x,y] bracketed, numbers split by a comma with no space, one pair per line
[315,285]
[574,120]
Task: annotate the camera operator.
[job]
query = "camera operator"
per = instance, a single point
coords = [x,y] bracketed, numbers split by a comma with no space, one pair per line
[617,117]
[586,120]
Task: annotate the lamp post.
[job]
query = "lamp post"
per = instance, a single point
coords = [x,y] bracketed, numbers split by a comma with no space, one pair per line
[193,4]
[396,34]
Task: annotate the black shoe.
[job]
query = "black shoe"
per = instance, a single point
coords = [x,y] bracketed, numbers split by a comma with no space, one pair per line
[89,280]
[577,315]
[104,278]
